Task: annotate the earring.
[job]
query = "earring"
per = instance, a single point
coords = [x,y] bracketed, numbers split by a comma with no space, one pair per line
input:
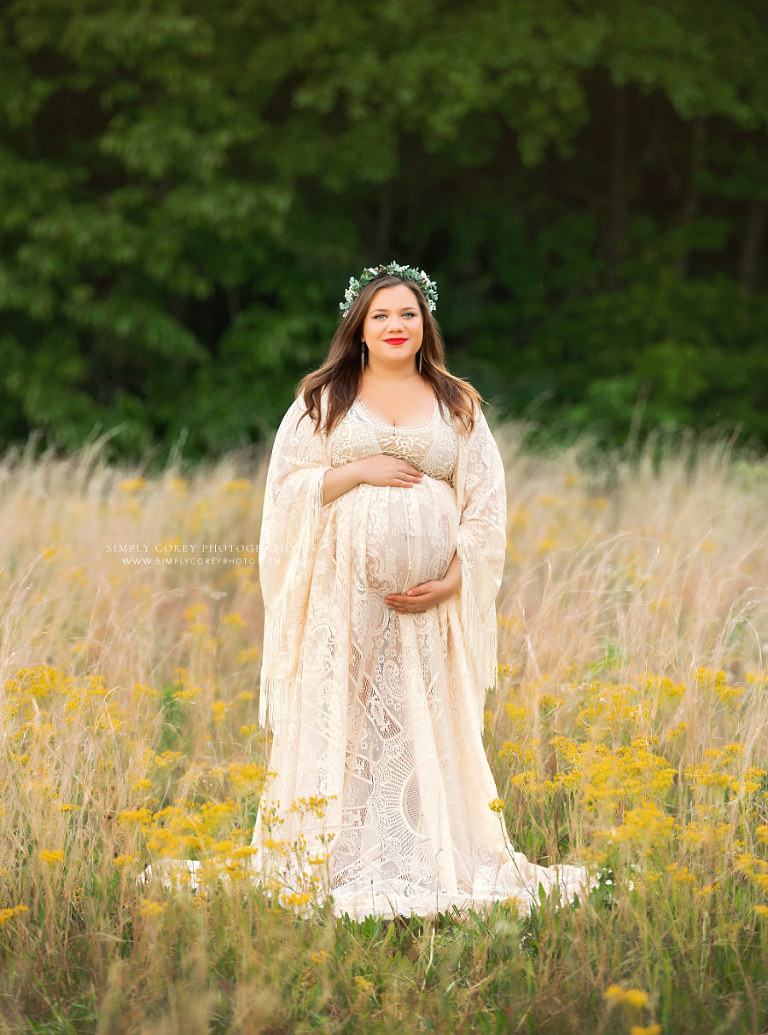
[362,357]
[419,360]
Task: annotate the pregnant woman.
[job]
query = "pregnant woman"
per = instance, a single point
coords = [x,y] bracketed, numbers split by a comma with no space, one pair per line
[381,553]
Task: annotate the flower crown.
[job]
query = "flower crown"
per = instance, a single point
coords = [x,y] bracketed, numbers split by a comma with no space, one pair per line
[372,272]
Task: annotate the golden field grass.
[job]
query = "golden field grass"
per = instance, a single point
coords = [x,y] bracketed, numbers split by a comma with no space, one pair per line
[629,730]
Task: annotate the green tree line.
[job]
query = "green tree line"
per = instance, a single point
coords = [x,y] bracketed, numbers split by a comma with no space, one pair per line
[186,187]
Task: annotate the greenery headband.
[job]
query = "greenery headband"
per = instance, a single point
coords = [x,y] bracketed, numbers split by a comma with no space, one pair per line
[372,272]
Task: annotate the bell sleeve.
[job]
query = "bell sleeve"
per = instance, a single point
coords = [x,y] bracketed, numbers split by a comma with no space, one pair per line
[292,522]
[481,545]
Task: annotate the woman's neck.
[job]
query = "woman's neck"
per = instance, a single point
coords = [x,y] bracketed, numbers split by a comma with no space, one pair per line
[390,374]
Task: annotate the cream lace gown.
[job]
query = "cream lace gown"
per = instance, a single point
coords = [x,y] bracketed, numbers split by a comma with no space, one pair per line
[381,787]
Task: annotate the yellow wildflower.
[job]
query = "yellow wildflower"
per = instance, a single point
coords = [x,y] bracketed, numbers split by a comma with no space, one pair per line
[222,846]
[53,855]
[244,851]
[295,898]
[645,824]
[10,913]
[151,909]
[219,709]
[248,774]
[272,845]
[527,781]
[134,816]
[166,759]
[497,805]
[631,996]
[187,693]
[142,688]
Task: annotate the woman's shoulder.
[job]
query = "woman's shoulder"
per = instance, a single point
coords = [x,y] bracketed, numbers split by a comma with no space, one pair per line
[462,423]
[298,417]
[300,405]
[461,400]
[321,394]
[293,418]
[292,413]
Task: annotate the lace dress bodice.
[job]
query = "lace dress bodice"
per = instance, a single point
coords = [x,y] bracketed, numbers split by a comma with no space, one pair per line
[432,447]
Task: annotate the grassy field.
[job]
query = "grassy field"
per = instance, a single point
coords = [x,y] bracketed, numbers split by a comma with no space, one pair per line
[629,730]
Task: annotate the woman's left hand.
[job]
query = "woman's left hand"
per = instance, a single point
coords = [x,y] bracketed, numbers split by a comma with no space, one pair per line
[428,594]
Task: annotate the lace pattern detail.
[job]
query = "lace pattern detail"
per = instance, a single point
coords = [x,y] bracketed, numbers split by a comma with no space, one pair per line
[432,447]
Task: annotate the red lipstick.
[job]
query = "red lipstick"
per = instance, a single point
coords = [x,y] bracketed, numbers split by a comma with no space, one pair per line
[395,341]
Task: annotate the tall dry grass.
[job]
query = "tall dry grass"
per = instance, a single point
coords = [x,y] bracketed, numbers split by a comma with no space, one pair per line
[628,729]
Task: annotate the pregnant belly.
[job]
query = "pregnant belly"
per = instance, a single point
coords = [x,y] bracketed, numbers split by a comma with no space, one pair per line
[410,535]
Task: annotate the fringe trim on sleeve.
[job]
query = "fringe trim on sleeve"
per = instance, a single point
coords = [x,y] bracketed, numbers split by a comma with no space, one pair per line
[480,634]
[282,645]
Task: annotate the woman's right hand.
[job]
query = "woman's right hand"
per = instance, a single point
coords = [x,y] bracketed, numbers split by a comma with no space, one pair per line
[382,469]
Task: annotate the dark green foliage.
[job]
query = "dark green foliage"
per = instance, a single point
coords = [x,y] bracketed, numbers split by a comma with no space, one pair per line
[185,189]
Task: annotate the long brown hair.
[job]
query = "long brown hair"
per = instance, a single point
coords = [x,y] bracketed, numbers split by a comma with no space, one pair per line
[341,369]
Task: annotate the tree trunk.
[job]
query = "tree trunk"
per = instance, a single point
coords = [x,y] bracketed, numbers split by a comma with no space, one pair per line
[618,207]
[691,203]
[384,224]
[751,245]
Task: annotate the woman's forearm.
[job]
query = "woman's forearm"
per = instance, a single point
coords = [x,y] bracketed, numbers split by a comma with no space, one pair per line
[338,480]
[452,577]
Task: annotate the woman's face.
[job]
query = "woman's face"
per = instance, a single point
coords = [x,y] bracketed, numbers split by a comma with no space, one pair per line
[393,327]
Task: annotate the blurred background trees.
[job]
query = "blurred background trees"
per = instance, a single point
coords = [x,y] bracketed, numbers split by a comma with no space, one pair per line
[185,189]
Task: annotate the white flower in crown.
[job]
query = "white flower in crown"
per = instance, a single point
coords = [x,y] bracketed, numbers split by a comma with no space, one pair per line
[372,272]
